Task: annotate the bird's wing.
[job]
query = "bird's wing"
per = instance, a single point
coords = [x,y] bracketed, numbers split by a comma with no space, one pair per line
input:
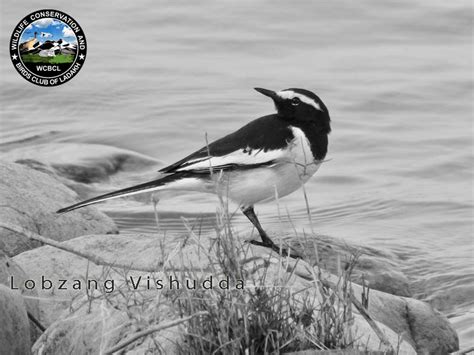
[239,159]
[259,143]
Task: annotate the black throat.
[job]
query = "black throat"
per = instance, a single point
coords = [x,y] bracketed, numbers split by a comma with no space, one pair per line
[317,137]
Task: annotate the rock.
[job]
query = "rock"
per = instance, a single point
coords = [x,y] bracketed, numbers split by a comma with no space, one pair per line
[433,331]
[15,330]
[9,270]
[103,326]
[380,270]
[51,264]
[142,255]
[364,336]
[30,200]
[430,335]
[83,333]
[82,163]
[368,339]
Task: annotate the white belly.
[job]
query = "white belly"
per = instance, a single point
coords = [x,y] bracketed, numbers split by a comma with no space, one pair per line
[266,183]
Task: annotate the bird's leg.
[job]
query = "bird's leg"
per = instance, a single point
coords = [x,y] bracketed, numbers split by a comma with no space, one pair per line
[266,241]
[250,214]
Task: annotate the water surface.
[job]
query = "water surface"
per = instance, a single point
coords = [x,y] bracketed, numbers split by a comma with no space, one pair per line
[396,77]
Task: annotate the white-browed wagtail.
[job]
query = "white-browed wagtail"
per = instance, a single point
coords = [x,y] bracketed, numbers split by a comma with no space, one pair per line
[271,156]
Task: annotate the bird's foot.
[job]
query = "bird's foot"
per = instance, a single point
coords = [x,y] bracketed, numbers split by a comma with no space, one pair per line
[280,250]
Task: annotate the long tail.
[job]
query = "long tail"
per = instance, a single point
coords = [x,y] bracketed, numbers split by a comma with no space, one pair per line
[137,189]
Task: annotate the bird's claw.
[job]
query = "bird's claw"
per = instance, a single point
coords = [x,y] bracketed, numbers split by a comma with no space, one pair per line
[276,248]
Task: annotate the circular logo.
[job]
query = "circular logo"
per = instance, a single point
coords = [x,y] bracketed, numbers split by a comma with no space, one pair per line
[48,47]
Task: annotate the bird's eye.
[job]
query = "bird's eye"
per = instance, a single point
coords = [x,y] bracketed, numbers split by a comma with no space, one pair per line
[295,101]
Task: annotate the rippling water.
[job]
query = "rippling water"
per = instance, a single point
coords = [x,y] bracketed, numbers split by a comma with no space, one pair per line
[396,76]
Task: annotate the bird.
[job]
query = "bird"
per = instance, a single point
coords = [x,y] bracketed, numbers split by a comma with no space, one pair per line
[49,48]
[270,157]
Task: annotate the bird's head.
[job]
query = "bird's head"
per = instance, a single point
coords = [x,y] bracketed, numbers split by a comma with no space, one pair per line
[300,105]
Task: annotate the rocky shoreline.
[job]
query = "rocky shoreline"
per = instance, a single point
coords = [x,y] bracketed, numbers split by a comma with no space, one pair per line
[81,303]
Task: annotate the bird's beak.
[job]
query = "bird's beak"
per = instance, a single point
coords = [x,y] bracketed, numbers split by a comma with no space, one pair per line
[269,93]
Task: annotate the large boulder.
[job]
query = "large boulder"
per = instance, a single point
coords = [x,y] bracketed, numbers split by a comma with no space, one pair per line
[98,326]
[11,274]
[55,271]
[378,269]
[81,163]
[15,330]
[148,256]
[84,332]
[426,329]
[30,200]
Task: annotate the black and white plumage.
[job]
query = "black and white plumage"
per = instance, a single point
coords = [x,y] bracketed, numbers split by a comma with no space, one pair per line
[48,48]
[271,156]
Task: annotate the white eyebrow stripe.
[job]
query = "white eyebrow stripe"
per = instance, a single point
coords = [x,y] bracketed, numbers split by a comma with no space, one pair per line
[288,94]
